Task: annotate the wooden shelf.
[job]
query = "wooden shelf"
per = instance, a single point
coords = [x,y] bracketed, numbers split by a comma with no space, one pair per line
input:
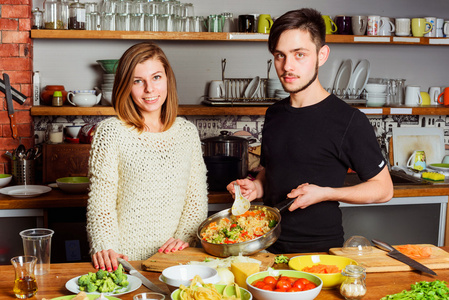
[223,36]
[202,110]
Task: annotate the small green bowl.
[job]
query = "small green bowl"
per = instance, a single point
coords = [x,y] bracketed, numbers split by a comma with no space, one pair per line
[108,65]
[5,179]
[76,185]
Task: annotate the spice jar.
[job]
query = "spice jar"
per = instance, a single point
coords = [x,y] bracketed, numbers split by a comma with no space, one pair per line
[353,287]
[38,19]
[77,15]
[49,90]
[52,15]
[57,99]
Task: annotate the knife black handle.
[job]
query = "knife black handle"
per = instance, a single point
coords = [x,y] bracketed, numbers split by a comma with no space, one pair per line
[281,206]
[382,245]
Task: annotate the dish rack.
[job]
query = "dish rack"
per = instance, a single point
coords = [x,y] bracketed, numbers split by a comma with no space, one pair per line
[243,91]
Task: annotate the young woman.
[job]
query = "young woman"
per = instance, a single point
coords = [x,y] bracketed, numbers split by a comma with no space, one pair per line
[148,178]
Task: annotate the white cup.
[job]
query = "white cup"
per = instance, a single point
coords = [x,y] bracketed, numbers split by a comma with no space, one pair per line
[402,26]
[434,91]
[439,28]
[445,159]
[373,25]
[386,26]
[446,29]
[216,89]
[433,21]
[413,95]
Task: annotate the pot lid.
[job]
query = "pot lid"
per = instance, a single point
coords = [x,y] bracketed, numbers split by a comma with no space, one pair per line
[225,137]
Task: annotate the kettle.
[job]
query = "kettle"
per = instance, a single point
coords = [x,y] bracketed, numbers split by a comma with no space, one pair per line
[226,158]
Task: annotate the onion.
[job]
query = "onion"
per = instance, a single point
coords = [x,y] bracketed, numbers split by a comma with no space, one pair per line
[226,276]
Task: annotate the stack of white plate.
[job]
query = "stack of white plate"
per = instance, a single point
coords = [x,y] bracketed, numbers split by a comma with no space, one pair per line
[106,88]
[273,84]
[376,94]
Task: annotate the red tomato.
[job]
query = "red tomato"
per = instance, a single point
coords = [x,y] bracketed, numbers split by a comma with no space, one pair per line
[303,281]
[259,284]
[309,286]
[270,280]
[293,289]
[268,287]
[283,284]
[298,284]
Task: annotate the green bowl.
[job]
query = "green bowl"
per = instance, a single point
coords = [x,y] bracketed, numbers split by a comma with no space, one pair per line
[108,65]
[230,291]
[75,185]
[5,179]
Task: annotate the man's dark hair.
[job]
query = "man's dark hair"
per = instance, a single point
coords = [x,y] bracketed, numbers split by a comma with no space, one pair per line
[307,19]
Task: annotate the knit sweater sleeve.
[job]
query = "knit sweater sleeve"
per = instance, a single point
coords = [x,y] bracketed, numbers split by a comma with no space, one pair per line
[102,226]
[195,208]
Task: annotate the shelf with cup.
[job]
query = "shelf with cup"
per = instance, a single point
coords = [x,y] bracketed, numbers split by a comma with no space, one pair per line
[204,110]
[223,36]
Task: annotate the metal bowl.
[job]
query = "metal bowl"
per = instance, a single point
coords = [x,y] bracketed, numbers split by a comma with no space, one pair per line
[244,248]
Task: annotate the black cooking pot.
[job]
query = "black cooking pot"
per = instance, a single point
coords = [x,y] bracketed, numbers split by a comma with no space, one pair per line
[226,159]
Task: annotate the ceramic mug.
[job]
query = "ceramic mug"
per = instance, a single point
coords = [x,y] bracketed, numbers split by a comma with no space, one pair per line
[386,27]
[413,95]
[445,100]
[419,27]
[246,23]
[417,160]
[446,28]
[425,99]
[402,26]
[373,25]
[331,27]
[439,28]
[432,21]
[216,89]
[343,24]
[434,91]
[359,25]
[264,24]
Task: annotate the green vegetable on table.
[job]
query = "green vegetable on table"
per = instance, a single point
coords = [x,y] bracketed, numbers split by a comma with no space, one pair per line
[103,281]
[423,290]
[281,259]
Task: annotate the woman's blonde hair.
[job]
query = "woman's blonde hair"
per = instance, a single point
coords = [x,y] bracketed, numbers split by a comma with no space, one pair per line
[124,106]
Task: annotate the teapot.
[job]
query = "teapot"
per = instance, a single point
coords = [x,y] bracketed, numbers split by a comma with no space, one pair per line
[83,99]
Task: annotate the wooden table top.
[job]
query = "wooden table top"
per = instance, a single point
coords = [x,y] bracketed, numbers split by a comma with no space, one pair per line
[52,284]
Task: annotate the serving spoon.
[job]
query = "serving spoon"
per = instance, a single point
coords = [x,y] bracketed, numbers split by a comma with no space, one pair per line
[241,204]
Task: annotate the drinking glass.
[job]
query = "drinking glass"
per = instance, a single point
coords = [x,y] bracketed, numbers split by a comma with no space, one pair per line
[123,22]
[107,21]
[151,22]
[109,6]
[137,22]
[25,285]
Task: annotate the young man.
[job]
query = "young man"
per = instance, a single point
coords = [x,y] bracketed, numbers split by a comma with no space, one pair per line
[309,141]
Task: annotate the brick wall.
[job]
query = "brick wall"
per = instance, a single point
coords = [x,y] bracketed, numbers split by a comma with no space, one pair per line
[16,59]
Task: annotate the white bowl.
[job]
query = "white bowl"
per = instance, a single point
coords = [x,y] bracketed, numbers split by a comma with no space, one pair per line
[5,179]
[73,130]
[376,88]
[174,276]
[261,294]
[107,96]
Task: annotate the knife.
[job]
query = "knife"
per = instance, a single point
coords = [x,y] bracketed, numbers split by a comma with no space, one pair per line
[132,271]
[394,253]
[9,103]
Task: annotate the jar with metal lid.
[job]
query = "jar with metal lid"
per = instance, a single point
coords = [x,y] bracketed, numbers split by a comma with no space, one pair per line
[354,286]
[38,19]
[52,15]
[57,99]
[77,15]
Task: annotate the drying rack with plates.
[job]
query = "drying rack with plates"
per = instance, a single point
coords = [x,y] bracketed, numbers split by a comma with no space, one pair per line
[243,91]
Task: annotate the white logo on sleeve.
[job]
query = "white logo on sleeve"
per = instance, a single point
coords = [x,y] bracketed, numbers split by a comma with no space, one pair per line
[382,164]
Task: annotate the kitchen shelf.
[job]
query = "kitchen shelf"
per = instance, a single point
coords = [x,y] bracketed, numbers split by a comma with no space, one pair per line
[223,36]
[203,110]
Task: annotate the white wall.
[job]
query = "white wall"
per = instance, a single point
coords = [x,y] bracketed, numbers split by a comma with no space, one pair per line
[72,62]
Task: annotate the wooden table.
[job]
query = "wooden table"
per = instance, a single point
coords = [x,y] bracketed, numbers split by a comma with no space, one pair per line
[52,284]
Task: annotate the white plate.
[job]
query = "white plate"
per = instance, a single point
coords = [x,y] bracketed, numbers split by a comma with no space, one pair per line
[343,76]
[252,88]
[25,191]
[359,77]
[134,284]
[439,167]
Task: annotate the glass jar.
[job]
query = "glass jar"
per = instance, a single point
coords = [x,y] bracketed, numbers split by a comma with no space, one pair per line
[77,15]
[38,19]
[52,15]
[354,286]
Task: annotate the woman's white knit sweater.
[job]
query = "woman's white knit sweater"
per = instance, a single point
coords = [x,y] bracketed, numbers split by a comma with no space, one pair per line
[145,188]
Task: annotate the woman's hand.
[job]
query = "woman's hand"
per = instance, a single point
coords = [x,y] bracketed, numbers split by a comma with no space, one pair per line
[107,260]
[173,245]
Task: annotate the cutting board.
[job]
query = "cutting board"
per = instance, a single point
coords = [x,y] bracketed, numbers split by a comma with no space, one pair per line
[378,260]
[160,261]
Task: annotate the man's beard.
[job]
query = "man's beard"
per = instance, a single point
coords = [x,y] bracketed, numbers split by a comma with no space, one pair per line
[314,77]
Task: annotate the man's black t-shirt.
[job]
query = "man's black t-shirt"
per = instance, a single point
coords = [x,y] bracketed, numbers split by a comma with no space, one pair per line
[316,145]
